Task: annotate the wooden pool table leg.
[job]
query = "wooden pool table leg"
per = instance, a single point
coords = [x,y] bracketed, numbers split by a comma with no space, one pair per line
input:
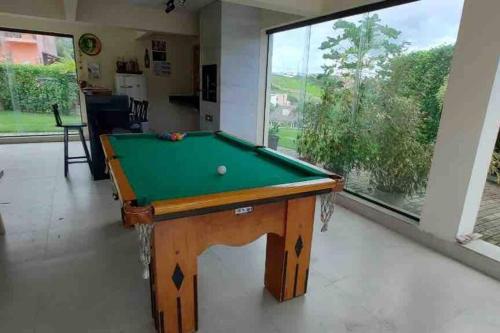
[175,268]
[287,257]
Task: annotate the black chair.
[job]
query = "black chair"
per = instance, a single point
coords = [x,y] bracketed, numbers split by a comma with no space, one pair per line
[138,113]
[67,128]
[131,109]
[144,111]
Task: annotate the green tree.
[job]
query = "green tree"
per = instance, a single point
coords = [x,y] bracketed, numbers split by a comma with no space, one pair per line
[336,130]
[364,46]
[370,116]
[422,76]
[400,163]
[359,50]
[441,93]
[64,47]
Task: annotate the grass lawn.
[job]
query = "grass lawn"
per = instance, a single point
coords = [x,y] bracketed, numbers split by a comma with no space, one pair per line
[288,137]
[24,122]
[295,85]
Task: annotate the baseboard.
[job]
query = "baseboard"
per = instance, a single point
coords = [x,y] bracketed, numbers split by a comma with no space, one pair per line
[36,138]
[477,255]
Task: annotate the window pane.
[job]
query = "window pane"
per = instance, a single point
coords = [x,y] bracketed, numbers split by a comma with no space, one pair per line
[373,97]
[488,221]
[290,51]
[36,71]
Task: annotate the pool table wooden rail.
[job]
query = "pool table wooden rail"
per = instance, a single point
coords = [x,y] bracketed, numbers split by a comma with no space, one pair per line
[132,212]
[165,207]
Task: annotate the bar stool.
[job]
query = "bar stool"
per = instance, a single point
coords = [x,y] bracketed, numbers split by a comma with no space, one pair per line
[67,128]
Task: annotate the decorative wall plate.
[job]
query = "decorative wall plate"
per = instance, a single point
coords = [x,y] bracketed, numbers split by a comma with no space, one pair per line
[90,44]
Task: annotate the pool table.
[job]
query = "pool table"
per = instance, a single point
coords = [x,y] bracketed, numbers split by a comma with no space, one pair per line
[177,187]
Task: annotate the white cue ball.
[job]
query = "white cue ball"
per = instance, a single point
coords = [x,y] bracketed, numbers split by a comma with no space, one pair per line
[221,170]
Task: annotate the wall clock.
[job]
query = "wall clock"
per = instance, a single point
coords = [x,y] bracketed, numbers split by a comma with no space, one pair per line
[90,44]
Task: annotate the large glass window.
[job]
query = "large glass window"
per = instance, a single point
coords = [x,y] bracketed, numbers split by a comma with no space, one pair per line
[36,71]
[488,220]
[362,96]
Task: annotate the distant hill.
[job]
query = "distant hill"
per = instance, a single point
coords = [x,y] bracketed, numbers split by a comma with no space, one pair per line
[293,85]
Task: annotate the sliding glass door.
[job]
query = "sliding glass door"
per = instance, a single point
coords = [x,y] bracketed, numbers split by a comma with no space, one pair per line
[36,71]
[362,96]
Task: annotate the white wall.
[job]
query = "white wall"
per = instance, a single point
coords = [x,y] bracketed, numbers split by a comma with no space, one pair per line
[294,7]
[47,8]
[163,115]
[240,57]
[270,18]
[210,53]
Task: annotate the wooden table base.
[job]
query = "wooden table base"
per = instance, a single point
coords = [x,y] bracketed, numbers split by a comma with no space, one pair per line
[177,244]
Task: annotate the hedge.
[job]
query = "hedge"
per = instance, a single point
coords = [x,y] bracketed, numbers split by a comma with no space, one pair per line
[34,88]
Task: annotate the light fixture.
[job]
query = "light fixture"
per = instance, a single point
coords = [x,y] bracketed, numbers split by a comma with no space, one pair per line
[171,5]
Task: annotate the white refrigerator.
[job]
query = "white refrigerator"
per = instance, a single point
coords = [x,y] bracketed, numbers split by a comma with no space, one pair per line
[132,85]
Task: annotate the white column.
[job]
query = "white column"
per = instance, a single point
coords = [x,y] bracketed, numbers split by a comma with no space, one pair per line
[469,125]
[239,72]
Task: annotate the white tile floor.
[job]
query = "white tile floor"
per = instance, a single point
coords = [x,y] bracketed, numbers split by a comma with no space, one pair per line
[67,265]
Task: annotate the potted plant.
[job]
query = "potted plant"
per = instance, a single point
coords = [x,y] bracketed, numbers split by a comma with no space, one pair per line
[273,138]
[495,167]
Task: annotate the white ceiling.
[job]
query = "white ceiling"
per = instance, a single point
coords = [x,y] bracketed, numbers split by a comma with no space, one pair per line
[190,5]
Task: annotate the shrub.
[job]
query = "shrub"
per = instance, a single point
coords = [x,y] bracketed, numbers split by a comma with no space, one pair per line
[401,162]
[380,108]
[332,135]
[495,161]
[34,88]
[495,166]
[275,128]
[423,77]
[380,137]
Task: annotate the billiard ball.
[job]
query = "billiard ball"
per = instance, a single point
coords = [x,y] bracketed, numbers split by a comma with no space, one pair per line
[221,170]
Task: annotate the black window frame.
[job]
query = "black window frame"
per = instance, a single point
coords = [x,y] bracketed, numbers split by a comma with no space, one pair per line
[340,14]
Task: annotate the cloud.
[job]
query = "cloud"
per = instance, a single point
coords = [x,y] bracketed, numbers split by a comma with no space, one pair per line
[424,24]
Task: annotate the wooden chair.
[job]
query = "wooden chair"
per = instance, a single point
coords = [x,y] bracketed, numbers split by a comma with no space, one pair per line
[67,128]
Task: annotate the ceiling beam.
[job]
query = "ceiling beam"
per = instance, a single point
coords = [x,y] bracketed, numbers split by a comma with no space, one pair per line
[70,10]
[139,34]
[296,7]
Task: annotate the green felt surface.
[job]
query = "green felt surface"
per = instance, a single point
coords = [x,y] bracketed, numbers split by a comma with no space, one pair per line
[160,170]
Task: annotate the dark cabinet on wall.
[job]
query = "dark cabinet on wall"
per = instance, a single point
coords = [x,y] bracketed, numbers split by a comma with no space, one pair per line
[209,83]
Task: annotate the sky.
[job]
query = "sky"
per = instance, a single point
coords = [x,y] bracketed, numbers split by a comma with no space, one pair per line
[424,24]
